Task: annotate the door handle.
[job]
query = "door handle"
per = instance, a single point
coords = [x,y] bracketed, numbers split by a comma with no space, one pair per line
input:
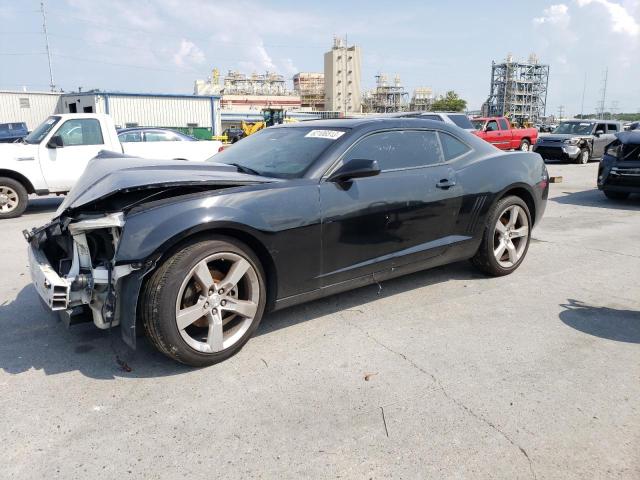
[445,183]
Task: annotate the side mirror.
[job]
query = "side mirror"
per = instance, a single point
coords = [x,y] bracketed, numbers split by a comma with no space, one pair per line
[357,168]
[599,132]
[55,142]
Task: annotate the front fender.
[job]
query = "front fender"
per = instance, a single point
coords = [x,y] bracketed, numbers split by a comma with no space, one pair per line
[150,233]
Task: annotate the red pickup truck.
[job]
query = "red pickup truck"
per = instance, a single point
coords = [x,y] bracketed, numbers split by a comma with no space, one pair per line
[499,132]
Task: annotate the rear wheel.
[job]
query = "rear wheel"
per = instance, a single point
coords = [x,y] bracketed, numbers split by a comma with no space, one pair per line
[204,303]
[583,157]
[525,145]
[13,198]
[506,237]
[616,195]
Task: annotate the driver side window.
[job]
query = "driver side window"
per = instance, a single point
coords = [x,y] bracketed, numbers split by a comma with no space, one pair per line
[85,131]
[492,126]
[398,149]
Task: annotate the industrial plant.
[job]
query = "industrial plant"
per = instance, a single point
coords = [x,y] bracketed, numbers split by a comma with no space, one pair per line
[518,90]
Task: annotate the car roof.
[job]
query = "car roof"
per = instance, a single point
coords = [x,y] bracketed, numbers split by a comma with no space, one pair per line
[357,122]
[135,129]
[631,137]
[591,120]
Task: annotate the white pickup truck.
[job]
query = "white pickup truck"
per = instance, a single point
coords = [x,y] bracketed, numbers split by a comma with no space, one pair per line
[54,155]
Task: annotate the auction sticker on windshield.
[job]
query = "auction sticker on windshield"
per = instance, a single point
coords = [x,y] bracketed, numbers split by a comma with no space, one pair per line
[328,134]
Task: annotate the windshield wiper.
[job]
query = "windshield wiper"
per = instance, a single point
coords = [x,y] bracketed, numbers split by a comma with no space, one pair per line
[243,169]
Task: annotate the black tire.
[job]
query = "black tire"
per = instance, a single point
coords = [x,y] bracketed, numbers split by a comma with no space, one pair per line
[160,293]
[616,195]
[525,145]
[16,193]
[583,157]
[484,259]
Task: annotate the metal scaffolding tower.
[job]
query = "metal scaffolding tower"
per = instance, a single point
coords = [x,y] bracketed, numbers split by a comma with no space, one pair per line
[518,90]
[387,97]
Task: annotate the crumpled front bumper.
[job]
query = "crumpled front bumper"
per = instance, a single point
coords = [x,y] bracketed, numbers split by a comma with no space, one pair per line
[557,152]
[106,294]
[53,289]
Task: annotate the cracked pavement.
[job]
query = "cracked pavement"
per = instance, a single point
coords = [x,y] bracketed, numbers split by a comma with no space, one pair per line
[535,375]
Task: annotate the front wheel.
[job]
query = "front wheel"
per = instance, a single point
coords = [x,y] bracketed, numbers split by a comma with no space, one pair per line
[204,303]
[506,237]
[583,157]
[525,145]
[13,198]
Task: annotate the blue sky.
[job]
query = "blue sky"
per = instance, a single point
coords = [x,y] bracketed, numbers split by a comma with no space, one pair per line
[164,45]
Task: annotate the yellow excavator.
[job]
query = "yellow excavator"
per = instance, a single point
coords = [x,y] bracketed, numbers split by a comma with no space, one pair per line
[272,116]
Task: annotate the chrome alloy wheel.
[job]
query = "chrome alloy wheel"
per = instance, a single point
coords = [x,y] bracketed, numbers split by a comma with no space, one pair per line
[217,302]
[510,236]
[8,199]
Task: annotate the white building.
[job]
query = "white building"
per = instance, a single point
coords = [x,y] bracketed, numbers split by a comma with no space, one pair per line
[342,78]
[127,109]
[148,109]
[29,107]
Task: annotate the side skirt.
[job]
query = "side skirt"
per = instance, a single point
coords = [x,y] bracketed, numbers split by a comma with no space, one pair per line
[460,252]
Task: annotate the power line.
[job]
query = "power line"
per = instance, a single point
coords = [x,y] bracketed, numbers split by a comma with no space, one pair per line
[141,67]
[110,26]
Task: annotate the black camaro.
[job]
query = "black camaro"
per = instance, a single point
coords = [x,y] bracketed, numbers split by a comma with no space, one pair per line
[619,170]
[195,253]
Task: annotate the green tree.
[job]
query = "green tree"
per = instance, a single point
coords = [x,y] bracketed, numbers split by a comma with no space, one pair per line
[449,102]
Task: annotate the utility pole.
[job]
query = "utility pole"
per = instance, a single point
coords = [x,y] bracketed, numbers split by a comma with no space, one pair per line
[46,40]
[604,94]
[560,112]
[584,89]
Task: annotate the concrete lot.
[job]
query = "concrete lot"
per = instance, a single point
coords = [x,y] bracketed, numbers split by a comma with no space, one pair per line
[536,375]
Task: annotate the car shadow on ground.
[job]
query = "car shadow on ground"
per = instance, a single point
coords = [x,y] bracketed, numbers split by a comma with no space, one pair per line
[603,322]
[43,205]
[595,198]
[31,337]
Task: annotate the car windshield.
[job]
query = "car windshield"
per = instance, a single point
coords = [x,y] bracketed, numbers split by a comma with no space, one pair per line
[574,128]
[461,121]
[477,124]
[281,152]
[41,130]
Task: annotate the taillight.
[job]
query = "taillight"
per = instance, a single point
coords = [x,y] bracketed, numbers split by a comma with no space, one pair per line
[220,149]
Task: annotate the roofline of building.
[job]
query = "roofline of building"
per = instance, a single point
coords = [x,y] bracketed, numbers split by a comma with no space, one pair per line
[128,94]
[113,94]
[22,92]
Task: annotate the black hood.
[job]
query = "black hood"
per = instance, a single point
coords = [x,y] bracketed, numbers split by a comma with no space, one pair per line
[110,172]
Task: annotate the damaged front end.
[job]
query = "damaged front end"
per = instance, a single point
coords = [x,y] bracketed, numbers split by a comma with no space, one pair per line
[75,263]
[73,269]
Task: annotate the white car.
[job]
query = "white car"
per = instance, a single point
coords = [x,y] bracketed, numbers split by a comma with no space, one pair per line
[166,144]
[54,155]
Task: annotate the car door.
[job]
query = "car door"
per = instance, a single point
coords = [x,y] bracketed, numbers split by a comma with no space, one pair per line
[166,145]
[494,135]
[600,141]
[402,215]
[81,141]
[506,135]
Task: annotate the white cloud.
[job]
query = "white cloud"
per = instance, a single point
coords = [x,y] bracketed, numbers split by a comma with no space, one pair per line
[621,20]
[555,14]
[188,53]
